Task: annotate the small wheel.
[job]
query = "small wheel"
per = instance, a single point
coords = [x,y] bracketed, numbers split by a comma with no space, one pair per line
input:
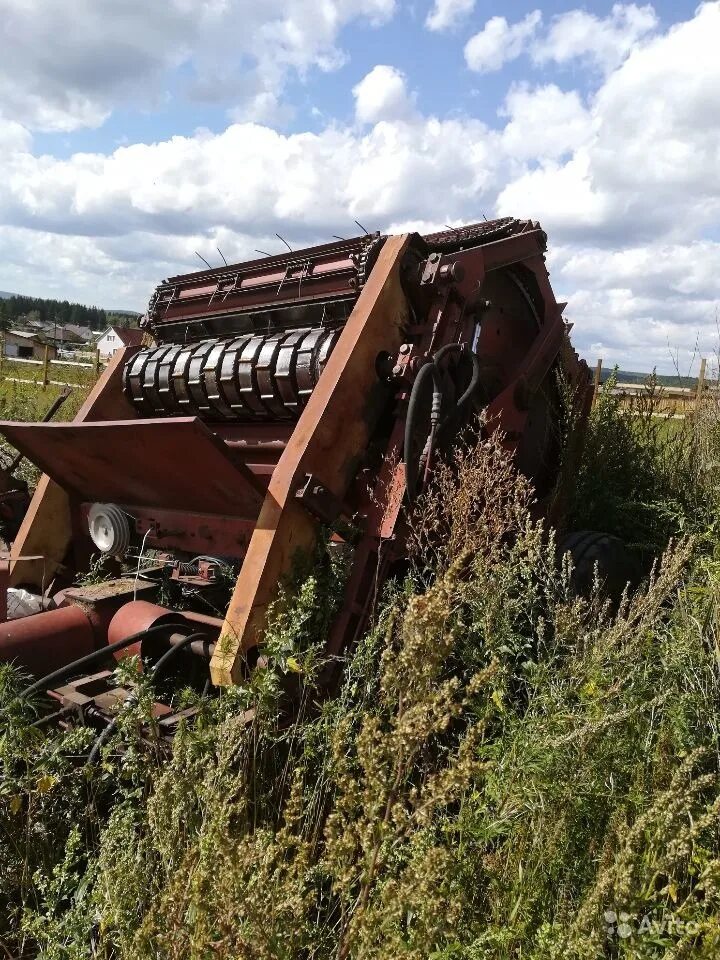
[615,563]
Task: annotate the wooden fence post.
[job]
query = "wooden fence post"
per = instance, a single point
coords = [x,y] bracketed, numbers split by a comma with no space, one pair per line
[701,380]
[46,360]
[97,363]
[596,381]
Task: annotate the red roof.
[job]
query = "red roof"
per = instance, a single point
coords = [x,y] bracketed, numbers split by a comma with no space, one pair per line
[130,336]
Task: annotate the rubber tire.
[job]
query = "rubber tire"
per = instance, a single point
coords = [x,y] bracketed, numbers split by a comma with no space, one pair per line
[616,565]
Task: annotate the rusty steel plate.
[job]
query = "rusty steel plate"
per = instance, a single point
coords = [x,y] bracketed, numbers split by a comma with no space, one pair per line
[177,464]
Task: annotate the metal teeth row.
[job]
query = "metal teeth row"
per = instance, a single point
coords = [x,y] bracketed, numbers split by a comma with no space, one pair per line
[253,377]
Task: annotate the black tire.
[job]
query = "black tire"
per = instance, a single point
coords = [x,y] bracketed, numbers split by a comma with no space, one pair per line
[616,564]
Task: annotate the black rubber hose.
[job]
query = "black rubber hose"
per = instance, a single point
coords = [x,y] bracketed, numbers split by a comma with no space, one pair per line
[474,381]
[109,729]
[89,658]
[173,651]
[429,370]
[448,348]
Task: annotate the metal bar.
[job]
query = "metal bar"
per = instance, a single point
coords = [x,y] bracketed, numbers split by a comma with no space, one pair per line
[38,363]
[46,530]
[329,441]
[71,363]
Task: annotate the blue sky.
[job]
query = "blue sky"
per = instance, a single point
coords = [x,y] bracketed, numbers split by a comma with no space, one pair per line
[432,62]
[133,134]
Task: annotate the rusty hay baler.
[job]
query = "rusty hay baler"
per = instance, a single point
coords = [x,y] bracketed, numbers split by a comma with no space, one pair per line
[274,398]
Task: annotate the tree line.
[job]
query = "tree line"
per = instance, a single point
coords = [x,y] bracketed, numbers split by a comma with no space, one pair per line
[61,312]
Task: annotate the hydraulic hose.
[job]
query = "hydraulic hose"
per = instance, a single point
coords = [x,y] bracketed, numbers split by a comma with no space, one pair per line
[110,727]
[90,658]
[432,369]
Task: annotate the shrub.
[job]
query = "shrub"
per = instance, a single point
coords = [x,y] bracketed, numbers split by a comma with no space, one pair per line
[508,770]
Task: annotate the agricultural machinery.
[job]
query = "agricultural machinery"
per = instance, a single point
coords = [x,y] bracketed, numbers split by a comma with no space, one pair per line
[274,400]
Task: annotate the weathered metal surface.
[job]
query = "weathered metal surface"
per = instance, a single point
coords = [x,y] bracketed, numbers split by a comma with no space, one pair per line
[217,302]
[140,615]
[46,530]
[178,464]
[45,641]
[329,441]
[305,365]
[480,234]
[256,377]
[196,533]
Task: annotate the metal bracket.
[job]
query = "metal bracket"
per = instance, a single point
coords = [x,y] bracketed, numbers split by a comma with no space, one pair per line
[318,500]
[435,271]
[430,269]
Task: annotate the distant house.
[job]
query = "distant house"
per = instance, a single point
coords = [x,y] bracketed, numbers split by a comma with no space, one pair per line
[84,333]
[115,338]
[71,335]
[26,345]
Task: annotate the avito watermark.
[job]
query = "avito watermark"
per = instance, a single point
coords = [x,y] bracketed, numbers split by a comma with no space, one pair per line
[622,925]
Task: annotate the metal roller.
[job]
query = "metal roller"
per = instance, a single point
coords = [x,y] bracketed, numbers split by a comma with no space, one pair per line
[151,380]
[180,390]
[228,378]
[196,374]
[247,364]
[164,378]
[285,380]
[254,377]
[265,376]
[305,370]
[211,381]
[132,382]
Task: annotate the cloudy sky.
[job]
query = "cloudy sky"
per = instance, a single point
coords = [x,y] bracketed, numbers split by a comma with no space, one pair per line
[134,132]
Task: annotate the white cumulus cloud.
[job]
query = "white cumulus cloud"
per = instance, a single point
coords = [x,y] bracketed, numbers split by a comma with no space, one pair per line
[382,94]
[448,13]
[528,133]
[623,178]
[605,41]
[500,42]
[65,66]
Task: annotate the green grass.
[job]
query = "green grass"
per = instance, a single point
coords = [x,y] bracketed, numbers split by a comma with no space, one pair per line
[506,768]
[29,402]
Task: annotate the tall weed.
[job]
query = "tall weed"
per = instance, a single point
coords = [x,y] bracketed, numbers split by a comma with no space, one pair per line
[508,770]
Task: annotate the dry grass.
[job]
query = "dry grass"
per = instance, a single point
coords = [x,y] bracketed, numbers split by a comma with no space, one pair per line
[505,767]
[20,401]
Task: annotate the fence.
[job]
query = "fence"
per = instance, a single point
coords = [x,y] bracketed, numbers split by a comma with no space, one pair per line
[668,400]
[52,371]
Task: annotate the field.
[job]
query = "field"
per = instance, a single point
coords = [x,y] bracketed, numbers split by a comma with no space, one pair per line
[511,769]
[29,402]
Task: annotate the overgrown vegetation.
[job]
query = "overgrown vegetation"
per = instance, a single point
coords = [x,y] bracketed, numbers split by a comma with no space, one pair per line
[507,771]
[644,477]
[23,401]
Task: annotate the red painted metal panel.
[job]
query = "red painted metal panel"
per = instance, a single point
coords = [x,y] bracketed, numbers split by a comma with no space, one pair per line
[198,533]
[177,464]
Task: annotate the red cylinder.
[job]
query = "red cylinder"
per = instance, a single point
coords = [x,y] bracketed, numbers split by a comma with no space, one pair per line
[44,642]
[136,616]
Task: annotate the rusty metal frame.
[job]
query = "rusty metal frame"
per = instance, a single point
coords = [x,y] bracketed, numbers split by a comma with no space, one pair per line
[46,532]
[328,442]
[176,463]
[303,476]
